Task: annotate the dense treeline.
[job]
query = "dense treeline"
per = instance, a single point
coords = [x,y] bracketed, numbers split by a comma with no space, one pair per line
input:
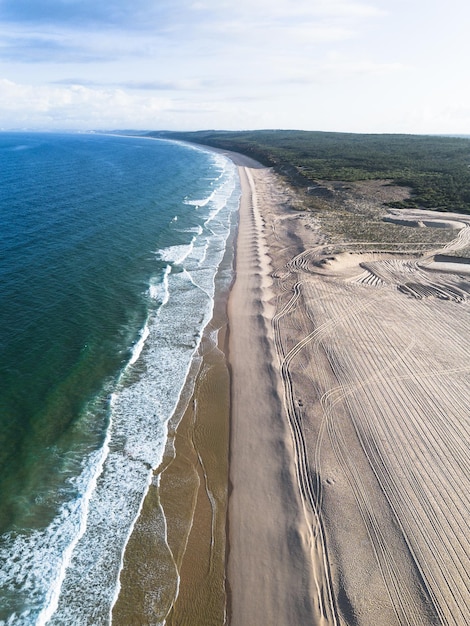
[436,168]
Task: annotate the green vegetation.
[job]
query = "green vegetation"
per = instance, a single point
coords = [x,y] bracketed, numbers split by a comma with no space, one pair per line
[437,169]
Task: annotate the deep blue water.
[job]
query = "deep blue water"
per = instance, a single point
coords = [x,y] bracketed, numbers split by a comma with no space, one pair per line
[108,251]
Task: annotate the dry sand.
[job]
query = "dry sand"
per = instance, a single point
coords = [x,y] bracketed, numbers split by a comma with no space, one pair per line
[349,477]
[268,562]
[350,427]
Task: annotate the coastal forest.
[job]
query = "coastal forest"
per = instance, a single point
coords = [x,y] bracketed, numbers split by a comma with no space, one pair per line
[435,168]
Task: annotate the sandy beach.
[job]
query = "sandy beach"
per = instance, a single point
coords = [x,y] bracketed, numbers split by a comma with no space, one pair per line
[338,445]
[350,423]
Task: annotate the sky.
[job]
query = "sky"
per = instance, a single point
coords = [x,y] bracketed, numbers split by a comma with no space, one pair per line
[384,66]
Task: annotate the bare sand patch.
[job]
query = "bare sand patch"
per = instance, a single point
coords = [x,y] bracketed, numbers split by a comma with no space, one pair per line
[454,265]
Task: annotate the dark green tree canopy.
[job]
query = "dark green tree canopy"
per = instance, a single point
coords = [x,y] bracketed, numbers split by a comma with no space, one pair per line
[436,168]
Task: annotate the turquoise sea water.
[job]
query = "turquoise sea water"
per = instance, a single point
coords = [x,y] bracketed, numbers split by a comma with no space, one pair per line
[108,251]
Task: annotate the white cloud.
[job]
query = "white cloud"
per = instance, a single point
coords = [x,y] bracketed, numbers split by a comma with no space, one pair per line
[341,68]
[275,9]
[320,20]
[77,106]
[349,9]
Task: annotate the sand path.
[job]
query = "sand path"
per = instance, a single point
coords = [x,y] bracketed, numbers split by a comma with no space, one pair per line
[268,572]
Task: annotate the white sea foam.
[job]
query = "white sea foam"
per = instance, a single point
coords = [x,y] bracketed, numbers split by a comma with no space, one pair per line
[139,345]
[88,481]
[159,291]
[222,164]
[203,256]
[201,203]
[177,254]
[196,229]
[48,553]
[129,533]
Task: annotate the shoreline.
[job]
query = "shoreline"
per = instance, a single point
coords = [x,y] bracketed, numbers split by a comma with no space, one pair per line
[174,562]
[184,589]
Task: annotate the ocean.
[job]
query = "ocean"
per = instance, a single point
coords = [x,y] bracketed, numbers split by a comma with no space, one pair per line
[109,248]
